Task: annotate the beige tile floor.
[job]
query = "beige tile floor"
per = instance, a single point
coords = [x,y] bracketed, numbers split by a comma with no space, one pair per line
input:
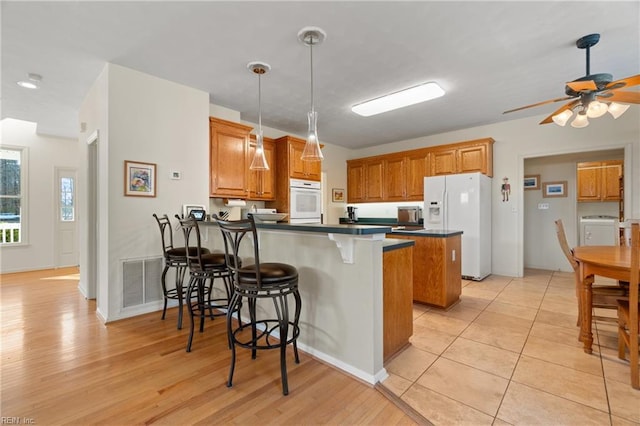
[508,353]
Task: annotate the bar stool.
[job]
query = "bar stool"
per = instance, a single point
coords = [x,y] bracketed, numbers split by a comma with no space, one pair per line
[174,257]
[204,266]
[260,281]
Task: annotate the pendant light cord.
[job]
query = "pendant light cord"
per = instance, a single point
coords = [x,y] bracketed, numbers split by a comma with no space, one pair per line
[259,103]
[311,55]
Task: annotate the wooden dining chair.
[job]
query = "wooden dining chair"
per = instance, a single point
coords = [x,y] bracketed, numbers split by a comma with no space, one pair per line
[603,296]
[628,311]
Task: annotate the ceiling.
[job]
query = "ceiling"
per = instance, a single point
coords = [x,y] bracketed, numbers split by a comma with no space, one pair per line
[488,56]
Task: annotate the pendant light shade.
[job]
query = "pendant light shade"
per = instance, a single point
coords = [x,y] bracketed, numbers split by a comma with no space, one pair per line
[312,36]
[259,161]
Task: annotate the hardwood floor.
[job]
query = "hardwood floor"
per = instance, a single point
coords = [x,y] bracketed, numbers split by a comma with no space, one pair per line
[61,365]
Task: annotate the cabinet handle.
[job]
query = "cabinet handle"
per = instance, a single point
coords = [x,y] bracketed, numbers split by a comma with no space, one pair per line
[453,255]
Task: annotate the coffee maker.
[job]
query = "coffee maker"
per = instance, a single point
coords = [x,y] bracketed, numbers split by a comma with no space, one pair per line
[352,213]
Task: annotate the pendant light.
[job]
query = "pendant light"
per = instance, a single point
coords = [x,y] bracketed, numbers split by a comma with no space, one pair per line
[259,161]
[312,36]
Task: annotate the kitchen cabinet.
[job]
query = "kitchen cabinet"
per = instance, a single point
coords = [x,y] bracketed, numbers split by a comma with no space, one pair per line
[599,180]
[309,170]
[397,300]
[228,158]
[365,180]
[262,183]
[399,176]
[443,162]
[437,269]
[288,151]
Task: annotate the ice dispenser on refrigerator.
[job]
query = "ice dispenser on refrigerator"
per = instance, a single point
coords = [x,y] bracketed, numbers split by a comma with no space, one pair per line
[434,215]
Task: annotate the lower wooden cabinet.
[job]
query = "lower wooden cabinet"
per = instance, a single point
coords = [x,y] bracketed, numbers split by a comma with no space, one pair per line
[397,273]
[437,269]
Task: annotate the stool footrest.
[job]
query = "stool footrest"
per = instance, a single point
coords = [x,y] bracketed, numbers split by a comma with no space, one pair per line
[265,332]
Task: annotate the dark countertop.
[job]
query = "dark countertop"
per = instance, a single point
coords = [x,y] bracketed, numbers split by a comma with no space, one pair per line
[322,228]
[433,233]
[393,244]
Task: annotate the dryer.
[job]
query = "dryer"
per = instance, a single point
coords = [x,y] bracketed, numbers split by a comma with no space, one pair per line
[599,230]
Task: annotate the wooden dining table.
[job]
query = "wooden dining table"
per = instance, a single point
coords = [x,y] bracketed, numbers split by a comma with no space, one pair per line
[605,261]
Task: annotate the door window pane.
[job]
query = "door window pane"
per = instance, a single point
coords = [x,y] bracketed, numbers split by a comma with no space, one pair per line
[67,200]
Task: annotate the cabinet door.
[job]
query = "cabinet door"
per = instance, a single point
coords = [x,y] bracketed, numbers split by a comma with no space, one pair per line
[472,159]
[417,167]
[262,184]
[310,170]
[443,162]
[355,182]
[394,179]
[589,185]
[228,159]
[374,180]
[611,173]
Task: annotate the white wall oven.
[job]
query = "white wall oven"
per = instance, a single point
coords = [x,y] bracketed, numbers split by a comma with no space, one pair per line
[305,201]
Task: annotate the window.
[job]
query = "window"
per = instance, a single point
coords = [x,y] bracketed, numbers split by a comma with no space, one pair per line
[67,201]
[12,195]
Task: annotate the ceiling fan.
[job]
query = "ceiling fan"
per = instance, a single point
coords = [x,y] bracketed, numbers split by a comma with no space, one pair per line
[593,95]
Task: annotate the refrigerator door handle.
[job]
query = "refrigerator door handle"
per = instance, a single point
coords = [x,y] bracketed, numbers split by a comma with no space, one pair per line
[445,209]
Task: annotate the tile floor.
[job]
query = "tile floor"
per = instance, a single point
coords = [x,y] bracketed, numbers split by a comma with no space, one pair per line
[508,353]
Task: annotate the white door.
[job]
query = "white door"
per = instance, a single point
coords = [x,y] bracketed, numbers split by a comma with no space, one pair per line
[66,229]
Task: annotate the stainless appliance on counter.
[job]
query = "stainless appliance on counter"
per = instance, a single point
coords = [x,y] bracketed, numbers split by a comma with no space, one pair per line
[352,213]
[409,215]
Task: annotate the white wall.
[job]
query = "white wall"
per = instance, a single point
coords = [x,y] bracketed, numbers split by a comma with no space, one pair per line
[149,120]
[541,248]
[519,139]
[44,154]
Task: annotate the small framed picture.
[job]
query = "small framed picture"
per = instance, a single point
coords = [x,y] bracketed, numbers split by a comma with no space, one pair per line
[337,195]
[532,182]
[139,179]
[554,189]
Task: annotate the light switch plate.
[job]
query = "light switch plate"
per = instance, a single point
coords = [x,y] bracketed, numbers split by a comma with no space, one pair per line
[543,206]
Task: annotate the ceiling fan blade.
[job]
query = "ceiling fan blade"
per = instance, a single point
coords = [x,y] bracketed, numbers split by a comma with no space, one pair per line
[618,96]
[625,82]
[578,86]
[539,103]
[570,105]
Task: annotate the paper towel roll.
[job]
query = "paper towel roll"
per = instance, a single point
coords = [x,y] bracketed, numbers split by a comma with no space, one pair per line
[235,203]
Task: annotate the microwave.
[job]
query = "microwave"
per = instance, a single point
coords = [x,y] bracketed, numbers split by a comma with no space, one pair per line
[305,201]
[410,215]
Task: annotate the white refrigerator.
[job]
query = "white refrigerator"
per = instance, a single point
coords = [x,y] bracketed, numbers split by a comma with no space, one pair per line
[462,202]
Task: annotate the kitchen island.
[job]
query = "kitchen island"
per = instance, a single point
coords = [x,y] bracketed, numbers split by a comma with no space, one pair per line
[341,285]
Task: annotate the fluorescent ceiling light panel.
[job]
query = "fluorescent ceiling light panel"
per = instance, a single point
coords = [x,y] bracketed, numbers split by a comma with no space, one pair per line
[411,96]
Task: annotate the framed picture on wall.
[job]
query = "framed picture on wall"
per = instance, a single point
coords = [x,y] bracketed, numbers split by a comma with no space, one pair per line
[554,189]
[532,182]
[337,195]
[139,179]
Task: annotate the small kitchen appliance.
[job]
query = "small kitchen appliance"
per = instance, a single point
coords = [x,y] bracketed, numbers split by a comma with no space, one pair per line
[352,213]
[409,215]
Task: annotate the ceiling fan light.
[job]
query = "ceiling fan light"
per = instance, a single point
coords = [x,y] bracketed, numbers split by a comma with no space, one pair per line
[616,109]
[596,109]
[580,120]
[562,118]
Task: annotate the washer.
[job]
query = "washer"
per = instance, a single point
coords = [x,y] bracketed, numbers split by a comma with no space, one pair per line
[599,230]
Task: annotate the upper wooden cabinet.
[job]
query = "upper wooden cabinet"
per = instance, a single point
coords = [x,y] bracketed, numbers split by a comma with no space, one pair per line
[400,176]
[309,170]
[599,180]
[443,162]
[262,183]
[365,180]
[228,158]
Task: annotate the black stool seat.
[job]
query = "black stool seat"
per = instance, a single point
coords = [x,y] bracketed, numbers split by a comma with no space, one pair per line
[277,282]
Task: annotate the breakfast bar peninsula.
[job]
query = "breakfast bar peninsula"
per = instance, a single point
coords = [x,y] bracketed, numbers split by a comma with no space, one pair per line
[341,285]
